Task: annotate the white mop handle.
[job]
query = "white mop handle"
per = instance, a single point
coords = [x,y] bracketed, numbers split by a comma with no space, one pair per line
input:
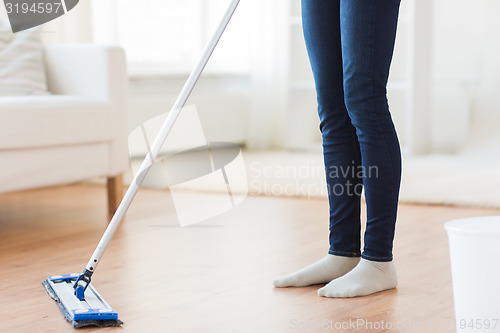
[160,139]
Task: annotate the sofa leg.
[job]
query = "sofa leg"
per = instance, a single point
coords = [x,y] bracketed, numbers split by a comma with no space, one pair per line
[115,192]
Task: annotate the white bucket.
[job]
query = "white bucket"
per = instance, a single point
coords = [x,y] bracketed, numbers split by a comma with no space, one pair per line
[475,270]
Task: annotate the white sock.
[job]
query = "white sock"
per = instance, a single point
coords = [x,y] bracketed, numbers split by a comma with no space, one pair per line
[366,278]
[322,271]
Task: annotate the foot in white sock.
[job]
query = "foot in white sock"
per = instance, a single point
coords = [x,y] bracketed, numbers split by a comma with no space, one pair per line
[366,278]
[322,271]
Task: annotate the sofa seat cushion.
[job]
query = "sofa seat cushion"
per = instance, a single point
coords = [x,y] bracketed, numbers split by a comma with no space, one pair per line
[42,121]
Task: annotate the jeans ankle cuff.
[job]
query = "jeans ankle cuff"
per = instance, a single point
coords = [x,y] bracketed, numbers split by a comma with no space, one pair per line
[345,253]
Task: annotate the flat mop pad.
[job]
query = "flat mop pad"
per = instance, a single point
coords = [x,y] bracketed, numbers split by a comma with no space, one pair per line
[93,311]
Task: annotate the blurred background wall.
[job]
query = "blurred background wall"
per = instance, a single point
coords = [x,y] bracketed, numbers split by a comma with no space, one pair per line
[258,90]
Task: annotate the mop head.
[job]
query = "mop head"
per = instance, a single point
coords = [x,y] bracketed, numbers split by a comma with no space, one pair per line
[93,311]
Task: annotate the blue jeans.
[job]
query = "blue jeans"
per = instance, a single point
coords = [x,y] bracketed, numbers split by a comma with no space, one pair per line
[350,45]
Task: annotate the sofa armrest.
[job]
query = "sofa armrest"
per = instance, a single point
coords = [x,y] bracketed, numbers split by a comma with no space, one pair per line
[94,71]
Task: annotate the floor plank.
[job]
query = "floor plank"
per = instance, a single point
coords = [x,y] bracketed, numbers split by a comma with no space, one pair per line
[214,276]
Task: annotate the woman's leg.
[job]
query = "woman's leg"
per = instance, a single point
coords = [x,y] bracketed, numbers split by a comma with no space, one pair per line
[340,145]
[321,24]
[368,30]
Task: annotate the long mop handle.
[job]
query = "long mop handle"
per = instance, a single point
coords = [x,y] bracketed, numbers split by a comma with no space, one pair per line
[158,142]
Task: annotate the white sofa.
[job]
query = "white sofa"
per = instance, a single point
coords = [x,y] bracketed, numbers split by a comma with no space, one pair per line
[77,132]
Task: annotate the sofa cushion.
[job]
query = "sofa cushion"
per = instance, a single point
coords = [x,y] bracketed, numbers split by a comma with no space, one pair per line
[22,69]
[54,120]
[29,168]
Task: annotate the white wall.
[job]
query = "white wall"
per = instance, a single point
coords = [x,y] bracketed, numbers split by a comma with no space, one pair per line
[466,73]
[465,78]
[222,103]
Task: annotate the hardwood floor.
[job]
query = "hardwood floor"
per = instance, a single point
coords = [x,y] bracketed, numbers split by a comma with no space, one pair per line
[213,276]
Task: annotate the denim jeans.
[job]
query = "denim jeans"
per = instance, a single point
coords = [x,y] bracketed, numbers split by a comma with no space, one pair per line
[350,45]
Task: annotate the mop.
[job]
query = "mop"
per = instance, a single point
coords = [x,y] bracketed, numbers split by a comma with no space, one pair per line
[78,300]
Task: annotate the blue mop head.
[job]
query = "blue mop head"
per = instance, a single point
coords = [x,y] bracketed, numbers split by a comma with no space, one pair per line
[91,312]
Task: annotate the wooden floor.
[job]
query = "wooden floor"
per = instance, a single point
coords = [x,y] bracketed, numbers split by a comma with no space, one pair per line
[214,276]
